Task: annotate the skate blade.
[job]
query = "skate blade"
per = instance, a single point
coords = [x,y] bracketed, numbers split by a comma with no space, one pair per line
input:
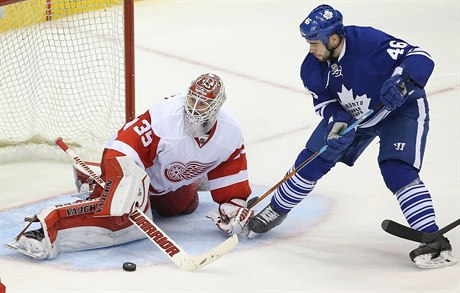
[445,259]
[22,251]
[252,234]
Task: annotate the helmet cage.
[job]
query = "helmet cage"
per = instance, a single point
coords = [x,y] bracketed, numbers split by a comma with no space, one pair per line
[321,23]
[205,97]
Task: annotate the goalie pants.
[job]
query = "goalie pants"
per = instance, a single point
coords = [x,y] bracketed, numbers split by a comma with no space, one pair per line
[181,201]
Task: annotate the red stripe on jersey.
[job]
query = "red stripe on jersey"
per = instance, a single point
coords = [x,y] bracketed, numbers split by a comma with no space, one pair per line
[233,165]
[240,190]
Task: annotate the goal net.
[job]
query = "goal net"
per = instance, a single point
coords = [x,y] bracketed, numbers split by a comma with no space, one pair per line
[67,71]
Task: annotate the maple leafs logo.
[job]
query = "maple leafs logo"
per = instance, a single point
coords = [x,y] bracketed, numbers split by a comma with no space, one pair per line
[178,171]
[356,105]
[328,14]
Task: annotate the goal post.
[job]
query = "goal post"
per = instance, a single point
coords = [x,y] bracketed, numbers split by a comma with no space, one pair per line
[66,70]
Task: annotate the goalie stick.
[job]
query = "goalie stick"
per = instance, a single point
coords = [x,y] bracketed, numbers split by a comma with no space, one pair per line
[178,256]
[405,232]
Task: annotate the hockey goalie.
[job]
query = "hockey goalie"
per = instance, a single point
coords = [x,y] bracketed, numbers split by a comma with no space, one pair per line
[155,163]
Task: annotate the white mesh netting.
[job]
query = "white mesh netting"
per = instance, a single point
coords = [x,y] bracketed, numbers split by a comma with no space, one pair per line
[61,77]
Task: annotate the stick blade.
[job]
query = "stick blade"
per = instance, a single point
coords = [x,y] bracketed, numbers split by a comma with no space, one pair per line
[191,263]
[414,235]
[401,231]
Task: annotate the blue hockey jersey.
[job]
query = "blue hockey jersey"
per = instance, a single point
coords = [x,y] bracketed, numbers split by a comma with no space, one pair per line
[353,81]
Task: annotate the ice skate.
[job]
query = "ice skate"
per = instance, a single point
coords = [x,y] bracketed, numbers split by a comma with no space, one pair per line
[265,220]
[435,254]
[30,244]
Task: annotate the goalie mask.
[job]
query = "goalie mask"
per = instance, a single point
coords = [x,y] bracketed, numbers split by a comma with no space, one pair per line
[204,99]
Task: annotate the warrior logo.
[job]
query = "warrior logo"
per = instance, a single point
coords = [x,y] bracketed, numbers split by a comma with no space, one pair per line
[177,171]
[399,146]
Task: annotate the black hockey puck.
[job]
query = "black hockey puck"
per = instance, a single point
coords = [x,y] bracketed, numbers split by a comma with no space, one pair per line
[129,266]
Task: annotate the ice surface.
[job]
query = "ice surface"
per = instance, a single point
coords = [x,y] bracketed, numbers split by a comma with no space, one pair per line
[333,242]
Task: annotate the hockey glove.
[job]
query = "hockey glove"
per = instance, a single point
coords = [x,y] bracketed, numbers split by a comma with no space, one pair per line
[83,180]
[337,143]
[398,89]
[232,218]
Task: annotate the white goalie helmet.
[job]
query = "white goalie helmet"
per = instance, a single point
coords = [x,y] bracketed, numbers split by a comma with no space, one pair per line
[205,97]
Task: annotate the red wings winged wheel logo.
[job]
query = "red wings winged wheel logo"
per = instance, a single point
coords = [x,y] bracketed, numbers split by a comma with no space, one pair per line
[178,171]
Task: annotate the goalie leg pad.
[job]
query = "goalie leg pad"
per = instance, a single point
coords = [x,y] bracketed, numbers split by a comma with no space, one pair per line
[73,227]
[126,188]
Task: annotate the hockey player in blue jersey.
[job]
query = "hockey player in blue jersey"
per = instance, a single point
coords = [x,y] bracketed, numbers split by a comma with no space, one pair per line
[350,70]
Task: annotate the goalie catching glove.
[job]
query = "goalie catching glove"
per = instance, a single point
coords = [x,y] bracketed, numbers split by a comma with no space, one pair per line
[232,217]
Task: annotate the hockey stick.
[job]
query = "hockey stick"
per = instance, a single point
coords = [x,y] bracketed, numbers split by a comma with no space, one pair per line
[311,158]
[405,232]
[178,256]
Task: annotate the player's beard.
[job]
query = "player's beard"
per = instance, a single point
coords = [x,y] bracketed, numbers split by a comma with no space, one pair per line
[325,57]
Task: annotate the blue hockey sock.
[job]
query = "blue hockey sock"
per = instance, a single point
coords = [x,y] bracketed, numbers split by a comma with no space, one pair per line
[413,196]
[296,188]
[416,205]
[291,192]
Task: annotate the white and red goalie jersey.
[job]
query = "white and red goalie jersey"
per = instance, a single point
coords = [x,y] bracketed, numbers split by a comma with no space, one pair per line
[158,143]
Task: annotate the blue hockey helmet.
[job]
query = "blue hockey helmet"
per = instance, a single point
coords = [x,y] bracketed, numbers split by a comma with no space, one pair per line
[321,23]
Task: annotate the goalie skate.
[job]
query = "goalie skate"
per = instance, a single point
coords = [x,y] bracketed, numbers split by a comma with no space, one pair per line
[31,243]
[28,246]
[13,246]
